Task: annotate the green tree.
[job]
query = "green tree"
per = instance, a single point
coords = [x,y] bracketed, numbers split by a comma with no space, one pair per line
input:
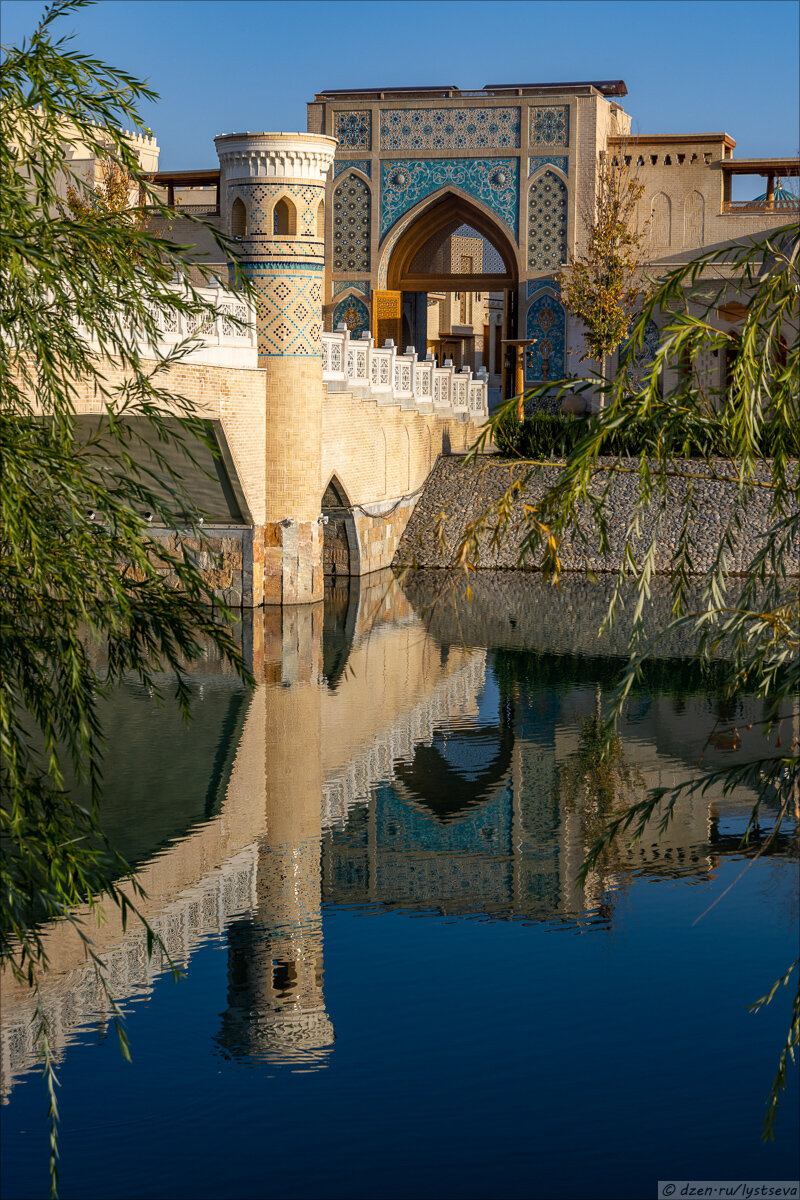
[82,282]
[603,285]
[744,424]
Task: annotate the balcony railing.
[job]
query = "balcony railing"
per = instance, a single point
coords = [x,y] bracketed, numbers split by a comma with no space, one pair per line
[761,206]
[382,373]
[210,209]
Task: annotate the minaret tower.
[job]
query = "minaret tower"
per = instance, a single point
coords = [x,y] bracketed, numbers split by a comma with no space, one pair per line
[272,198]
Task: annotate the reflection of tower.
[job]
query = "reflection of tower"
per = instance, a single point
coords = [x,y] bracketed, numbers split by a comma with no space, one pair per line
[272,193]
[276,1009]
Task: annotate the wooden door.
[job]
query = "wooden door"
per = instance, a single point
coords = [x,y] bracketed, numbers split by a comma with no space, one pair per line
[387,317]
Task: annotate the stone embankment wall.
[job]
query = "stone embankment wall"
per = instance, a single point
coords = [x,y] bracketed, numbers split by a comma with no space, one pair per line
[520,610]
[463,491]
[224,557]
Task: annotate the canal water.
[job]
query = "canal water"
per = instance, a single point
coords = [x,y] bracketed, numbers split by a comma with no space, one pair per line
[392,983]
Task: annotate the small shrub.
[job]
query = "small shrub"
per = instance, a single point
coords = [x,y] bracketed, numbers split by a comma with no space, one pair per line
[550,435]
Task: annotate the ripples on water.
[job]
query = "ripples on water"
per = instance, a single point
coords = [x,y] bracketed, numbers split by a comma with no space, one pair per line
[439,774]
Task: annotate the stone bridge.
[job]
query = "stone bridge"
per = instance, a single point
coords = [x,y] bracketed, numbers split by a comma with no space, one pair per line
[321,438]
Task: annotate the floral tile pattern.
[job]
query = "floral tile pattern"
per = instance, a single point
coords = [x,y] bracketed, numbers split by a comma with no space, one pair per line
[536,285]
[645,355]
[494,181]
[356,285]
[541,160]
[351,224]
[344,164]
[547,222]
[549,126]
[449,128]
[547,322]
[355,315]
[353,129]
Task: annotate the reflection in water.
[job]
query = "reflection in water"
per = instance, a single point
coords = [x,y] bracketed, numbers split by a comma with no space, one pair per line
[276,1009]
[385,761]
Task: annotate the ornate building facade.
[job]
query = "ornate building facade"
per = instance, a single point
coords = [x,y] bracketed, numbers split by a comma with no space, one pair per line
[516,166]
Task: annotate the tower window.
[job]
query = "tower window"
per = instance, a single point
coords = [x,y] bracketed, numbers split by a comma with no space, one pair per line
[238,219]
[284,218]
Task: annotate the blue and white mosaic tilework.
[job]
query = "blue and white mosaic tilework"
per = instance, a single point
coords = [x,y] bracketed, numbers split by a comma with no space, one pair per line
[449,128]
[645,355]
[549,125]
[356,285]
[546,321]
[547,222]
[536,285]
[288,310]
[360,164]
[386,254]
[541,160]
[495,181]
[352,206]
[260,197]
[354,313]
[353,129]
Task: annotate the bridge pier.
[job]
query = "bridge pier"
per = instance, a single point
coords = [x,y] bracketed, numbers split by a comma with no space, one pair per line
[272,193]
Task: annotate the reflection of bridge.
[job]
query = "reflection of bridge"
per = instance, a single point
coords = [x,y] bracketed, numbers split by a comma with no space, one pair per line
[306,752]
[407,779]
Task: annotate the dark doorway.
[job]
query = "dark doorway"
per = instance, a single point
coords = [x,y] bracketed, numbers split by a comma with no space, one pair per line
[339,541]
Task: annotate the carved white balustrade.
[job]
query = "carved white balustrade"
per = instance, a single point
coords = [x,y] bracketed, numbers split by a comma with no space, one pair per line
[226,338]
[382,373]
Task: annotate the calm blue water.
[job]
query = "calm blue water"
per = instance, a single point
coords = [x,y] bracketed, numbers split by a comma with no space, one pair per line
[393,986]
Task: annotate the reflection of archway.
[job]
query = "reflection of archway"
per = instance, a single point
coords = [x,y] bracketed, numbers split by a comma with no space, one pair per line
[340,617]
[435,780]
[446,212]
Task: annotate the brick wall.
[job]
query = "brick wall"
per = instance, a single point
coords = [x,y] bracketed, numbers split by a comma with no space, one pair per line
[271,419]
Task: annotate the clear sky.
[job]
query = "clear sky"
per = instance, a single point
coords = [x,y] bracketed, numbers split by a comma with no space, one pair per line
[225,65]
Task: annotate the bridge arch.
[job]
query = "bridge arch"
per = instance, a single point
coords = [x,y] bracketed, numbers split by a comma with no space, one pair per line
[341,551]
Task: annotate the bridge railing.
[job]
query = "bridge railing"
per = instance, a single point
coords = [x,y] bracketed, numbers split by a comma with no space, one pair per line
[227,337]
[382,373]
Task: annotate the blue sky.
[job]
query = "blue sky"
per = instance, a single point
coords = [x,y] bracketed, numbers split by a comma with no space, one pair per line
[252,64]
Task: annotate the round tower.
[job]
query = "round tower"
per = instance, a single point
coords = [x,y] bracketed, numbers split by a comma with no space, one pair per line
[272,198]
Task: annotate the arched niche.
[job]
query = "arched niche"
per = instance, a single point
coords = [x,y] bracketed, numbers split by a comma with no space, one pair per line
[644,356]
[352,223]
[321,220]
[238,219]
[352,312]
[546,322]
[284,218]
[694,219]
[548,205]
[661,220]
